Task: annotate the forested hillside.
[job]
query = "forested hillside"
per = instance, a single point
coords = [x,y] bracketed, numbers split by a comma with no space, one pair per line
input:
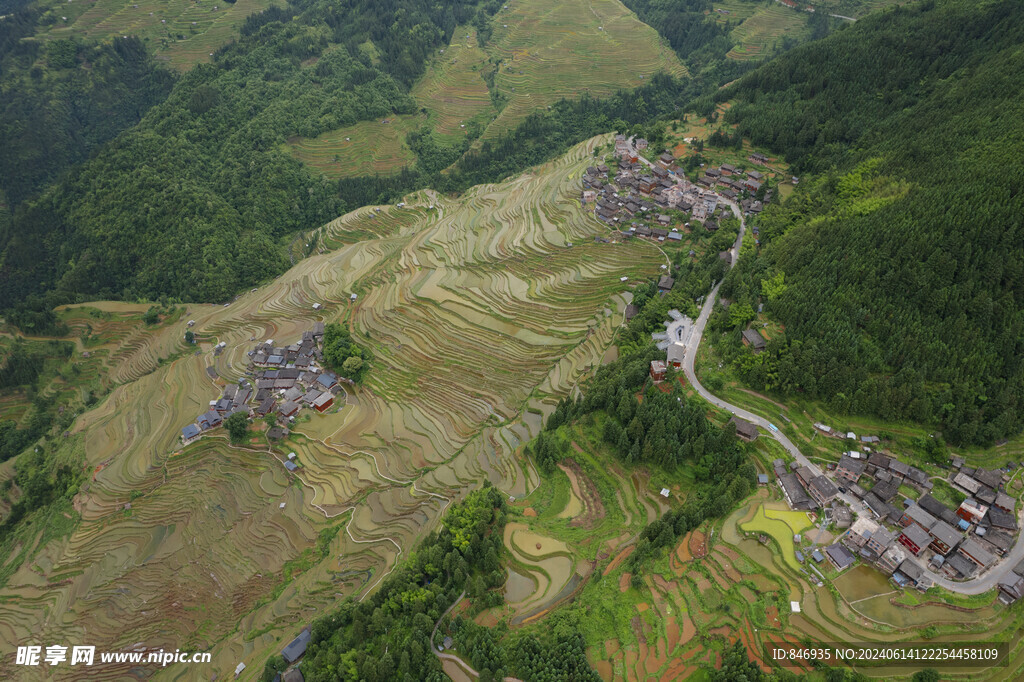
[388,636]
[201,199]
[899,273]
[61,100]
[193,202]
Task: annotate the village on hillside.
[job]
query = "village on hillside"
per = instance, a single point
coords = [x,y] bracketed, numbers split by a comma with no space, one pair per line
[895,533]
[868,496]
[632,199]
[281,380]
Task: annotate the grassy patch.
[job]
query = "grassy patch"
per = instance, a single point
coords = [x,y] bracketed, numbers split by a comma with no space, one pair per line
[182,32]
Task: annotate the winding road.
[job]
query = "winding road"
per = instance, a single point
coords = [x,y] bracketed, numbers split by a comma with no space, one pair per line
[462,669]
[977,585]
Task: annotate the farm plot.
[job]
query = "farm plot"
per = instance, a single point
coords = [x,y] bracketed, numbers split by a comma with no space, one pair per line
[549,562]
[453,89]
[182,32]
[797,521]
[762,31]
[780,531]
[585,507]
[474,310]
[366,148]
[554,50]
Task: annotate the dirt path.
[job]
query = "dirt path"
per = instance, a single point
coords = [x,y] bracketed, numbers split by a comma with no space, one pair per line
[454,667]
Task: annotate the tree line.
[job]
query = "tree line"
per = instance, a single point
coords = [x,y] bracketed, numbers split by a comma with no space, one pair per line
[196,200]
[902,262]
[387,636]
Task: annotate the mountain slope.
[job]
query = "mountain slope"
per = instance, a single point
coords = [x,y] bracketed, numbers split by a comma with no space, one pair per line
[904,263]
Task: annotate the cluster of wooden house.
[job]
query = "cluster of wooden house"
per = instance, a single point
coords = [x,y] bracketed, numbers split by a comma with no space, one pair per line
[732,183]
[638,192]
[284,380]
[804,490]
[899,538]
[957,542]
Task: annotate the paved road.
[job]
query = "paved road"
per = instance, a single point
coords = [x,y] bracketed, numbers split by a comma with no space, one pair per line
[976,586]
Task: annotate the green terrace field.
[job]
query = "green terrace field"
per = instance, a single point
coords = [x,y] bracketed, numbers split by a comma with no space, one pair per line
[479,315]
[718,585]
[553,50]
[182,32]
[544,51]
[366,148]
[763,27]
[453,89]
[452,92]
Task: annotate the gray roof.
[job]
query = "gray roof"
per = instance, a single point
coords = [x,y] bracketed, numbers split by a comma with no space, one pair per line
[917,535]
[966,482]
[290,466]
[999,539]
[190,431]
[840,556]
[754,338]
[853,465]
[933,506]
[743,427]
[797,495]
[961,564]
[824,487]
[990,477]
[977,552]
[883,536]
[911,569]
[916,475]
[1000,519]
[919,516]
[945,534]
[879,460]
[296,647]
[898,467]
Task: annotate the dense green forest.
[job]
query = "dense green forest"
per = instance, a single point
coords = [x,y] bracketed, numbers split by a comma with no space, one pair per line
[899,271]
[61,100]
[199,199]
[194,202]
[343,355]
[387,636]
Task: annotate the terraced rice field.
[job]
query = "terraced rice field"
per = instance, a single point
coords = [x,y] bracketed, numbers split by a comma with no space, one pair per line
[562,49]
[549,564]
[778,530]
[366,148]
[453,89]
[762,28]
[546,51]
[182,32]
[475,310]
[797,521]
[738,592]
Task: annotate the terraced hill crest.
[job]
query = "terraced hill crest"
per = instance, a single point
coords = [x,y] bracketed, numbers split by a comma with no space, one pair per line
[480,315]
